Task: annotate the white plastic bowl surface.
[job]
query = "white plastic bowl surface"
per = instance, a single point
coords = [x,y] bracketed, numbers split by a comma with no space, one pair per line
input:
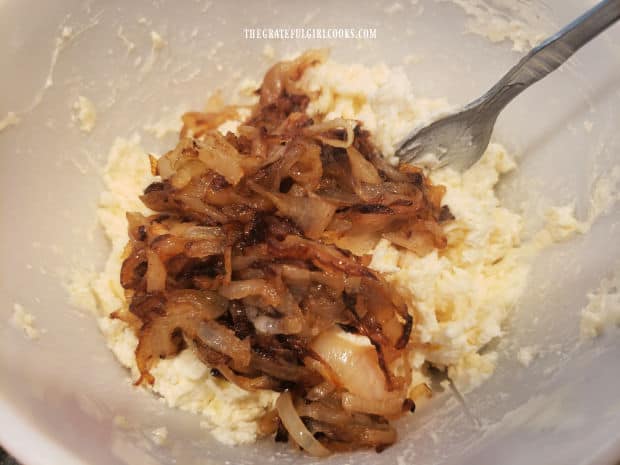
[59,395]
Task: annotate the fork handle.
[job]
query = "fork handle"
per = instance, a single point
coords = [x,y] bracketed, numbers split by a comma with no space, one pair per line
[550,54]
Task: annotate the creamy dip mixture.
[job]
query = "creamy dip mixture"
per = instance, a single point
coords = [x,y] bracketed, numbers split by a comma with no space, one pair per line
[459,295]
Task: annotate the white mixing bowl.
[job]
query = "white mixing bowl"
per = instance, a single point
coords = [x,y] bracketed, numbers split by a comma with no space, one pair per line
[60,394]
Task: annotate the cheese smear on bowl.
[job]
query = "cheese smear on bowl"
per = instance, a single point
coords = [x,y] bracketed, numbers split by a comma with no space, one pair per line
[458,296]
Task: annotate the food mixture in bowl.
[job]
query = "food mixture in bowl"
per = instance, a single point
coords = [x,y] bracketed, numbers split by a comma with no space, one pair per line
[278,272]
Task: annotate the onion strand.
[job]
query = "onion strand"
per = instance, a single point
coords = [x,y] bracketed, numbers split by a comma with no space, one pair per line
[296,428]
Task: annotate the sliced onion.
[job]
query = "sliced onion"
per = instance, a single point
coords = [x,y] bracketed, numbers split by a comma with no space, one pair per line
[208,211]
[187,170]
[217,154]
[153,165]
[420,244]
[371,218]
[321,304]
[355,365]
[282,76]
[287,305]
[296,275]
[165,164]
[311,213]
[361,169]
[291,322]
[317,364]
[155,273]
[323,256]
[319,130]
[352,284]
[420,391]
[249,384]
[224,341]
[359,244]
[302,162]
[203,248]
[167,246]
[209,304]
[281,369]
[320,391]
[132,269]
[192,231]
[135,223]
[303,277]
[269,325]
[198,123]
[127,317]
[376,437]
[296,428]
[156,229]
[387,406]
[251,287]
[251,255]
[228,265]
[321,412]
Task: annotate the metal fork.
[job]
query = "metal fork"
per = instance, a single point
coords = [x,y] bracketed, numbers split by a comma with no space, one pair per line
[461,138]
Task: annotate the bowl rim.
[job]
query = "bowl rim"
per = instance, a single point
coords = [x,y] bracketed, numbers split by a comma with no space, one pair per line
[28,444]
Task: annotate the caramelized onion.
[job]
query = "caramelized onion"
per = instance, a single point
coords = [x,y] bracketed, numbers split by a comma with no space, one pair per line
[282,369]
[420,391]
[324,413]
[134,267]
[282,76]
[296,428]
[361,169]
[250,287]
[209,304]
[307,168]
[322,130]
[217,154]
[249,384]
[255,255]
[362,431]
[419,244]
[192,231]
[155,272]
[325,257]
[303,277]
[320,391]
[185,171]
[224,341]
[198,123]
[355,365]
[269,325]
[311,213]
[386,406]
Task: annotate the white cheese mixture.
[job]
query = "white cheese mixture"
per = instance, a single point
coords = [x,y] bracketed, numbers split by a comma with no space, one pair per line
[25,321]
[459,296]
[503,20]
[159,435]
[527,354]
[603,309]
[11,119]
[85,113]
